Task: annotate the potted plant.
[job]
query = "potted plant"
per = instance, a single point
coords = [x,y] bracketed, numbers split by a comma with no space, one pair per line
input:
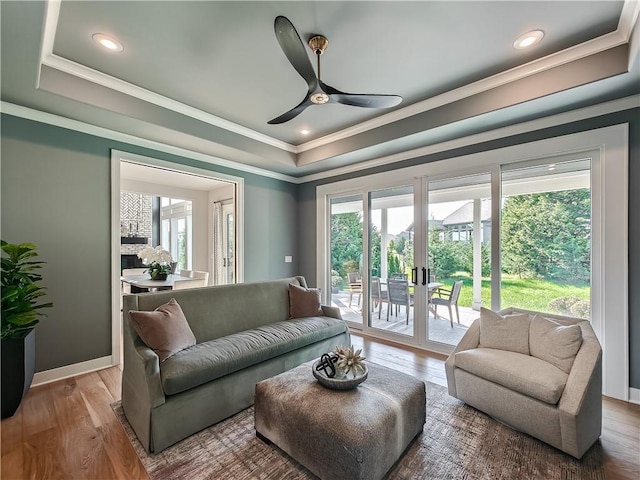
[157,260]
[21,312]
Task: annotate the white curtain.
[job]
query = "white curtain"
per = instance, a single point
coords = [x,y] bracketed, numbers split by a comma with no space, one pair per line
[219,276]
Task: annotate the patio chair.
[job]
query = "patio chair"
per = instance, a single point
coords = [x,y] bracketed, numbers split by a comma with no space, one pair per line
[398,276]
[399,295]
[355,286]
[447,297]
[378,296]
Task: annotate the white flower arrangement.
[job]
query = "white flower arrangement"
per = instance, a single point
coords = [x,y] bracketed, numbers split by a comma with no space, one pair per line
[157,259]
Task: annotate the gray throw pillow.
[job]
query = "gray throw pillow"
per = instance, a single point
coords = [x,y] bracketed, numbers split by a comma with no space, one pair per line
[165,330]
[510,332]
[304,302]
[554,343]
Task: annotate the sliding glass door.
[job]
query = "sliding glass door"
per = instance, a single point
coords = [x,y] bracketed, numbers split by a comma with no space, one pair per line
[392,273]
[429,243]
[538,226]
[459,254]
[346,256]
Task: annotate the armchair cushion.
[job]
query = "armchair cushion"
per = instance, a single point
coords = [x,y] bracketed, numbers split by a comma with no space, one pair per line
[510,332]
[304,302]
[554,343]
[542,381]
[165,330]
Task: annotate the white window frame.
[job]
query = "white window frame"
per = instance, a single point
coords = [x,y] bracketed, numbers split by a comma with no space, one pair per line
[609,190]
[172,212]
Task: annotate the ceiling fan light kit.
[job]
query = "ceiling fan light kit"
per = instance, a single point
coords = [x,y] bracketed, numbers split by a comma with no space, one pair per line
[318,92]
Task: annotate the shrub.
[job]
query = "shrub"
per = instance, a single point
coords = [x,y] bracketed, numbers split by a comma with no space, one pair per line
[562,305]
[581,309]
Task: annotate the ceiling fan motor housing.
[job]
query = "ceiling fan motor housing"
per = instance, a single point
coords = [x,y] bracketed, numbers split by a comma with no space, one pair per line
[318,44]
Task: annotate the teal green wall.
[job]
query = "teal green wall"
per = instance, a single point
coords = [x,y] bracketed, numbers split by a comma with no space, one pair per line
[56,191]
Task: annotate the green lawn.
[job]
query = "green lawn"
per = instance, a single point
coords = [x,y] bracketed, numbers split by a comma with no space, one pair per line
[527,293]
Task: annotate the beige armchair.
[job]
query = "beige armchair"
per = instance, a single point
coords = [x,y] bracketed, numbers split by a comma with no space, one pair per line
[518,367]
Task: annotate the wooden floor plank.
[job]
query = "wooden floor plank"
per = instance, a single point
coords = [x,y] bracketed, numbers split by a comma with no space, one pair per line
[41,456]
[67,429]
[123,458]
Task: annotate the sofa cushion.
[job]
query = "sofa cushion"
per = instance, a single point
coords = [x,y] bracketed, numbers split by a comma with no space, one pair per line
[510,332]
[304,302]
[524,374]
[554,343]
[207,361]
[165,330]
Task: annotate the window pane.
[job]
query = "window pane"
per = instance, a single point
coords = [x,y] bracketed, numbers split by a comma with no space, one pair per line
[391,260]
[346,256]
[459,260]
[546,238]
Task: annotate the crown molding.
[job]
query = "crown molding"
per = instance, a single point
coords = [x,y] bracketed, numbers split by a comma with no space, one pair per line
[50,59]
[517,129]
[545,122]
[78,126]
[628,19]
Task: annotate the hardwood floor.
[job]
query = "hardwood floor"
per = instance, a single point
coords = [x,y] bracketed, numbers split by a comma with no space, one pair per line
[67,429]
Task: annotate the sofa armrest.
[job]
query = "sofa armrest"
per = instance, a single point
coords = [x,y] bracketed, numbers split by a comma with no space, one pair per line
[580,407]
[151,367]
[470,340]
[333,312]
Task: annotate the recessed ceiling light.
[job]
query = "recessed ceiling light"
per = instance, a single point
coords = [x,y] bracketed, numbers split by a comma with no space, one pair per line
[110,43]
[305,131]
[528,39]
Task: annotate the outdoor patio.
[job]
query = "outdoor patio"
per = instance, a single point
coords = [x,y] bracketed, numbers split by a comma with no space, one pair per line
[439,329]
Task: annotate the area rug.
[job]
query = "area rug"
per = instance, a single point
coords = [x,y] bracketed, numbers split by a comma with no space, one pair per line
[458,442]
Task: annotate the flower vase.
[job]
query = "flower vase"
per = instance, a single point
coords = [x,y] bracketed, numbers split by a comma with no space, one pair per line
[156,275]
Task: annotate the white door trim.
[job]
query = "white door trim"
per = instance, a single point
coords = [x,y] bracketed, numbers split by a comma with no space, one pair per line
[610,315]
[116,157]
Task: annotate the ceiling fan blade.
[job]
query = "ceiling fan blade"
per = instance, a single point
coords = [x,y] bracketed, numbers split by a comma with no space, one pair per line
[360,100]
[294,50]
[366,100]
[294,112]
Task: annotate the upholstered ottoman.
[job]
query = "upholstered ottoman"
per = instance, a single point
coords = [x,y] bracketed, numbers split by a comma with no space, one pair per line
[352,434]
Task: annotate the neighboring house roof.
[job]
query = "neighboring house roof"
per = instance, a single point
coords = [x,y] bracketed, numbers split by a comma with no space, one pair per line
[464,214]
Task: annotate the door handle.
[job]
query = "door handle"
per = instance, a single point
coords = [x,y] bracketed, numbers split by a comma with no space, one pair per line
[414,275]
[424,276]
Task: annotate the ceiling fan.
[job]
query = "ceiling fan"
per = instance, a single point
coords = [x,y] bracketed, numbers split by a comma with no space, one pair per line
[319,92]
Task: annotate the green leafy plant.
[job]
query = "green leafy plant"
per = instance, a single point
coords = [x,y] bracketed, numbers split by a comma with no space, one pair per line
[20,291]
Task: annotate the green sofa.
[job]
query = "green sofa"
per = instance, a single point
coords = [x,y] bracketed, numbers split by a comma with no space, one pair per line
[243,336]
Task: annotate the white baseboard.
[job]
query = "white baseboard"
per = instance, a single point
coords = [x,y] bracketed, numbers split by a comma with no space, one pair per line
[55,374]
[634,395]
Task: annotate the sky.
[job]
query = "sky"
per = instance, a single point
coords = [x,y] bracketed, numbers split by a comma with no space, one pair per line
[399,218]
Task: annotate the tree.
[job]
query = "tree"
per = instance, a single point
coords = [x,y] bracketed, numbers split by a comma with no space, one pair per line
[444,254]
[346,242]
[547,235]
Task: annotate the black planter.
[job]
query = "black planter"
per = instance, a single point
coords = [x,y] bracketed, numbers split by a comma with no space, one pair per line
[18,366]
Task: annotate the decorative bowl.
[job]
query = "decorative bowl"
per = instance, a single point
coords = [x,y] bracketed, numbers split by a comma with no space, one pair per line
[344,382]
